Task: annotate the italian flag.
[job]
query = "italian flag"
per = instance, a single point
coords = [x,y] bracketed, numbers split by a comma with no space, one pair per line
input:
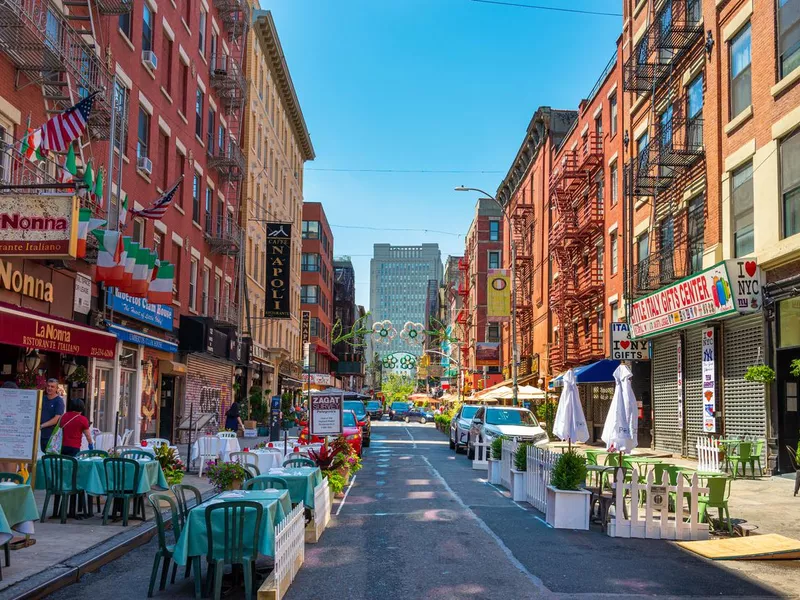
[69,169]
[141,273]
[130,263]
[97,194]
[123,212]
[31,144]
[109,268]
[88,179]
[160,291]
[86,224]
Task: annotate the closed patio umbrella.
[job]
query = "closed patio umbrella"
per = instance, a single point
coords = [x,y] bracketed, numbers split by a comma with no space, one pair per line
[570,423]
[621,429]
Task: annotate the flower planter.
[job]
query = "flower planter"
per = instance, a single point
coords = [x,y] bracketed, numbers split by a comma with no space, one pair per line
[344,472]
[249,424]
[494,471]
[236,484]
[567,509]
[518,493]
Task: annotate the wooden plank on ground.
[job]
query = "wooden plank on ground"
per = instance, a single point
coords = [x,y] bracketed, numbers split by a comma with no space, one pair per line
[754,547]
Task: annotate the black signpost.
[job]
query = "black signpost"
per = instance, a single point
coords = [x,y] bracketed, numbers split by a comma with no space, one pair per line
[275,419]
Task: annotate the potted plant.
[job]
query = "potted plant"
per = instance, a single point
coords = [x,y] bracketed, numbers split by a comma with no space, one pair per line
[171,464]
[567,501]
[760,374]
[226,476]
[336,484]
[518,492]
[494,460]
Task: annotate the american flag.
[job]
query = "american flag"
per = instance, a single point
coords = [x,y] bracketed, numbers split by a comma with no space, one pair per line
[160,206]
[61,130]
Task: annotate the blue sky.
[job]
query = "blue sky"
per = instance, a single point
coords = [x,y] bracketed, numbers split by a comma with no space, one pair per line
[427,84]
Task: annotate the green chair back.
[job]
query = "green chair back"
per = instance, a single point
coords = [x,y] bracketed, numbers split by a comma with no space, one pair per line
[252,470]
[12,477]
[658,473]
[744,451]
[155,501]
[236,536]
[92,454]
[136,454]
[122,475]
[718,491]
[674,472]
[182,491]
[60,473]
[266,482]
[591,457]
[759,448]
[299,462]
[612,460]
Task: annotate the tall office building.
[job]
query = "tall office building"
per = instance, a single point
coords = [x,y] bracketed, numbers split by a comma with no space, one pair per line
[399,278]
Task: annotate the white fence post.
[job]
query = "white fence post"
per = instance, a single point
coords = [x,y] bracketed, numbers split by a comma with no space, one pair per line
[321,512]
[289,554]
[509,450]
[708,455]
[537,476]
[480,459]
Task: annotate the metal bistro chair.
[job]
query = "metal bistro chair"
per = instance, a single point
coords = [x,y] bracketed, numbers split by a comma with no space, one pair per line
[755,457]
[240,520]
[92,454]
[742,456]
[126,437]
[120,487]
[165,550]
[292,462]
[266,482]
[182,492]
[61,481]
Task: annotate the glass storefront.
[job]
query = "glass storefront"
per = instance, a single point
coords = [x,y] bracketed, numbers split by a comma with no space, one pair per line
[128,360]
[101,397]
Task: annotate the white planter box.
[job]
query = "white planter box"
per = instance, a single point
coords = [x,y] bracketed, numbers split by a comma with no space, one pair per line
[494,471]
[518,492]
[567,509]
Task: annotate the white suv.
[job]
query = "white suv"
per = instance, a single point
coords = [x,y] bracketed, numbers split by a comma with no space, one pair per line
[490,422]
[459,426]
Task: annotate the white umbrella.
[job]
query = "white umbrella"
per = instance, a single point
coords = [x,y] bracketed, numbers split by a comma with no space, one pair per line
[621,430]
[570,424]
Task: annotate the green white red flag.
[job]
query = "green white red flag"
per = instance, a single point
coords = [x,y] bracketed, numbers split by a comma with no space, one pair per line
[109,269]
[160,291]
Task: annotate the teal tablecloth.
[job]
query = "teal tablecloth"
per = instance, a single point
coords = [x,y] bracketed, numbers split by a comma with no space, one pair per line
[193,540]
[302,481]
[92,476]
[17,511]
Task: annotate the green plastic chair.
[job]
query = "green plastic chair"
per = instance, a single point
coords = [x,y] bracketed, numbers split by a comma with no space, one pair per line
[252,470]
[299,461]
[755,457]
[165,550]
[12,478]
[742,456]
[136,455]
[240,519]
[719,490]
[60,480]
[266,482]
[612,460]
[182,492]
[591,457]
[121,487]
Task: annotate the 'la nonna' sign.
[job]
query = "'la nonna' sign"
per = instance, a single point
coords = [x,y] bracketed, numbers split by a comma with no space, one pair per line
[39,226]
[728,288]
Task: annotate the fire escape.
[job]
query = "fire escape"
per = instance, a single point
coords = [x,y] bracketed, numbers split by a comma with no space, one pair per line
[60,52]
[523,227]
[576,192]
[664,162]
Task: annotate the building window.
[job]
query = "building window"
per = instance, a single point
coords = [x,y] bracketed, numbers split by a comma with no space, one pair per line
[614,183]
[217,285]
[494,231]
[601,258]
[209,210]
[206,285]
[138,230]
[694,126]
[696,230]
[147,28]
[181,171]
[494,259]
[193,285]
[125,24]
[599,189]
[598,127]
[198,114]
[642,149]
[121,97]
[310,230]
[790,183]
[163,151]
[742,203]
[143,142]
[666,243]
[210,131]
[309,294]
[176,260]
[612,109]
[740,71]
[196,199]
[202,32]
[184,89]
[166,51]
[614,312]
[493,333]
[310,262]
[613,242]
[643,261]
[788,36]
[600,325]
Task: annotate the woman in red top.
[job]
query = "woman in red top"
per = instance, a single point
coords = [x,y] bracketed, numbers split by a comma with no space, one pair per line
[74,425]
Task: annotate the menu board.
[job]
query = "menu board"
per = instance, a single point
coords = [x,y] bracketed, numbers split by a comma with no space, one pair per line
[326,414]
[19,422]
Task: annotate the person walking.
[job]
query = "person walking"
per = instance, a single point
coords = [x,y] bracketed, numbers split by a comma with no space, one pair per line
[52,409]
[233,420]
[74,426]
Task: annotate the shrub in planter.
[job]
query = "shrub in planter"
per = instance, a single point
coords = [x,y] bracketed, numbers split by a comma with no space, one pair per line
[497,448]
[760,374]
[335,482]
[226,476]
[569,472]
[521,457]
[567,503]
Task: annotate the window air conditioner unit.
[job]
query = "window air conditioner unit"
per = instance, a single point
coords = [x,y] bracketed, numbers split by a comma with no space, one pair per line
[144,164]
[150,59]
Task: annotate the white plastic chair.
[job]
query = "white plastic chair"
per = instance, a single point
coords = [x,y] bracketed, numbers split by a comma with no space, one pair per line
[156,442]
[224,435]
[104,441]
[244,458]
[207,449]
[126,437]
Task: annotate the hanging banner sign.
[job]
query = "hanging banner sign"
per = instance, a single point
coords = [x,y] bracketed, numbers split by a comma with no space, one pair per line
[728,288]
[709,382]
[305,326]
[39,225]
[680,383]
[498,295]
[487,354]
[279,258]
[326,414]
[157,315]
[624,348]
[306,356]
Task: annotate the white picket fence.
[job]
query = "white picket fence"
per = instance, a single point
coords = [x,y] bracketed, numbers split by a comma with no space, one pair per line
[289,553]
[480,461]
[506,462]
[709,455]
[322,508]
[537,476]
[655,520]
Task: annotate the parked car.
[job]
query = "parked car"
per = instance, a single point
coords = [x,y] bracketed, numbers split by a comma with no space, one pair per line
[398,410]
[350,429]
[418,414]
[459,426]
[357,406]
[375,409]
[490,422]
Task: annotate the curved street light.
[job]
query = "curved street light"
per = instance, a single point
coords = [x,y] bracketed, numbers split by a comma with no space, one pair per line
[458,366]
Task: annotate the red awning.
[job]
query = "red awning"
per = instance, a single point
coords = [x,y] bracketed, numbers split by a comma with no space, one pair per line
[31,329]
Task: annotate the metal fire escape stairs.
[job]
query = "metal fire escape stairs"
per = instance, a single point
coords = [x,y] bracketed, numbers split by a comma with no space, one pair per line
[523,222]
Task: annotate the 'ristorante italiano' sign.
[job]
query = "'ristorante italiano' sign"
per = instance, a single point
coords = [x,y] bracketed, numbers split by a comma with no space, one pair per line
[279,258]
[38,226]
[728,288]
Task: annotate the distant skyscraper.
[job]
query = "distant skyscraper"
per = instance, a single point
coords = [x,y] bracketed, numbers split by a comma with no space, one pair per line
[399,277]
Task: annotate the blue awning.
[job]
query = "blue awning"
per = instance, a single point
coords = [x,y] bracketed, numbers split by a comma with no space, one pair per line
[601,371]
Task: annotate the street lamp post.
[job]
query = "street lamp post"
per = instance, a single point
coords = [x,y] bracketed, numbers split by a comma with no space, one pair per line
[514,348]
[458,366]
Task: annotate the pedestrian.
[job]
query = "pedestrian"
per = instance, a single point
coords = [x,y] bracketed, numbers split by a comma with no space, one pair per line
[75,425]
[232,418]
[52,409]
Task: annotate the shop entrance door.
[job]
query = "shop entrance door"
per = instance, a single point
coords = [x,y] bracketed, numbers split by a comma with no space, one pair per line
[101,396]
[167,407]
[788,398]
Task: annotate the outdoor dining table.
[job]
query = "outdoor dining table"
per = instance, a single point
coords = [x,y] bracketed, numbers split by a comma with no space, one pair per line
[193,540]
[92,476]
[223,447]
[267,458]
[17,510]
[301,481]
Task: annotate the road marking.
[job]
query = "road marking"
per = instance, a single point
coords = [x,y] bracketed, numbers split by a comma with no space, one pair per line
[349,487]
[412,441]
[411,437]
[506,550]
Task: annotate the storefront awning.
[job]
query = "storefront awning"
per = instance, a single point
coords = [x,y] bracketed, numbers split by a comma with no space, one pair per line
[135,337]
[31,329]
[601,371]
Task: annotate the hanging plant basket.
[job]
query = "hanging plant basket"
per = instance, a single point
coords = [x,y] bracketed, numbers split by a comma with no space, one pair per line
[760,374]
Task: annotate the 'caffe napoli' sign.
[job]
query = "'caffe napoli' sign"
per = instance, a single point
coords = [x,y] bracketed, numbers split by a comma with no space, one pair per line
[728,288]
[279,258]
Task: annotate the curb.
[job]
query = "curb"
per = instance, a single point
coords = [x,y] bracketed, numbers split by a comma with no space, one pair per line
[70,570]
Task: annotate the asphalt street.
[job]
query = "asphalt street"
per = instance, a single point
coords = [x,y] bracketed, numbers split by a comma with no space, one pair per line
[418,522]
